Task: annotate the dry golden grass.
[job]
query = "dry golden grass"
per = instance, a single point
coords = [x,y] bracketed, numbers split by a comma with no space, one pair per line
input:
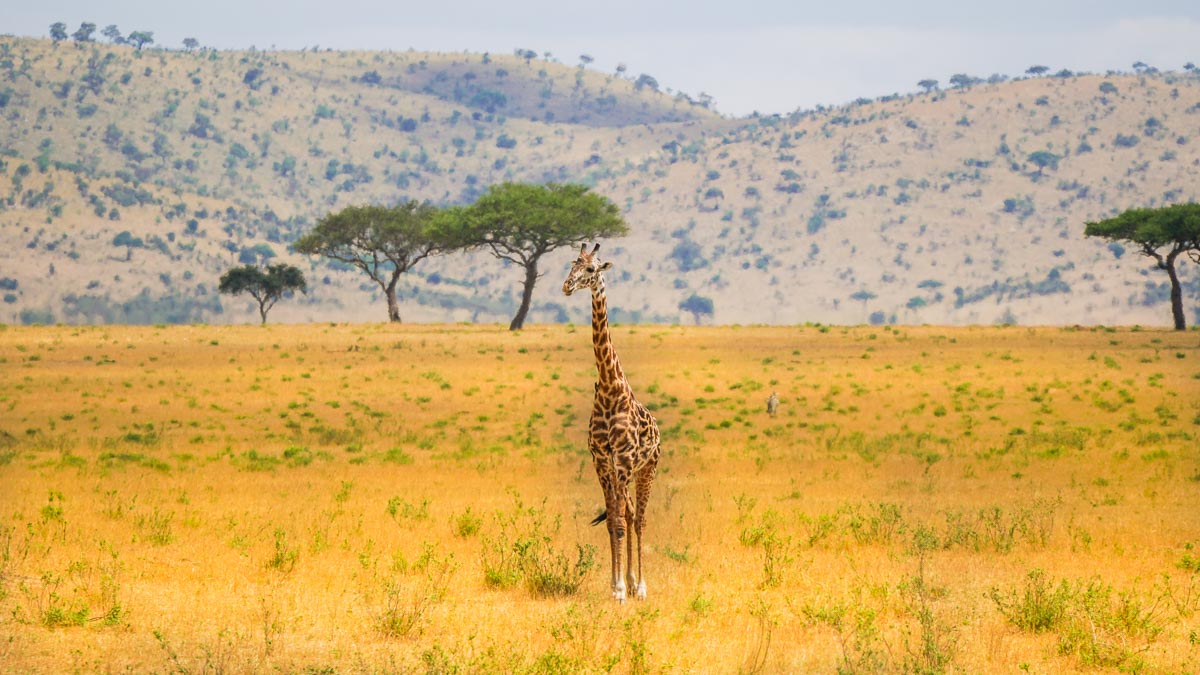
[333,498]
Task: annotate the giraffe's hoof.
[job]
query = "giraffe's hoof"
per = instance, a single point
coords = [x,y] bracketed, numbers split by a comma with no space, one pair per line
[619,593]
[641,591]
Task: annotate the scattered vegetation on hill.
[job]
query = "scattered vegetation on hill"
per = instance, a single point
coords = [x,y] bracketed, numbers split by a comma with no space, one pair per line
[186,161]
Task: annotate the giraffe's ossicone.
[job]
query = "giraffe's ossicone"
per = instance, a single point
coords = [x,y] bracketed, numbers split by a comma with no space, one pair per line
[622,436]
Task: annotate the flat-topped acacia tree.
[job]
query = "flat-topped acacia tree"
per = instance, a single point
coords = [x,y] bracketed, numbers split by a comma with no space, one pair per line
[1162,234]
[521,222]
[383,241]
[265,286]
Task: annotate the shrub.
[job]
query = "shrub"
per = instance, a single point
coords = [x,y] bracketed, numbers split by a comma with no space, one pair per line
[522,552]
[1123,141]
[1092,624]
[1038,607]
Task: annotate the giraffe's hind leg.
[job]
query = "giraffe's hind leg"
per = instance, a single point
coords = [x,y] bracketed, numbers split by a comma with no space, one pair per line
[645,479]
[630,515]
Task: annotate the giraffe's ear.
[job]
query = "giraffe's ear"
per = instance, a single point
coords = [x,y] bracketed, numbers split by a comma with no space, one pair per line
[605,266]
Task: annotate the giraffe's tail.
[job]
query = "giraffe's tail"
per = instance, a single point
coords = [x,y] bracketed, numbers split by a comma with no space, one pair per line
[600,518]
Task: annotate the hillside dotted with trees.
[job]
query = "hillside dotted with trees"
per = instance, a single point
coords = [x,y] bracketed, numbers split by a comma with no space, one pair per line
[134,174]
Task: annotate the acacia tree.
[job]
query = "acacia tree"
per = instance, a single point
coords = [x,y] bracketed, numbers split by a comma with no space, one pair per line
[520,223]
[1043,159]
[267,287]
[962,80]
[698,306]
[84,32]
[58,32]
[1162,234]
[140,38]
[383,241]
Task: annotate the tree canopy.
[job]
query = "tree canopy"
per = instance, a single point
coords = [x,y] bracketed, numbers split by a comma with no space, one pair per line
[698,306]
[266,287]
[141,38]
[383,241]
[1162,234]
[1043,159]
[84,32]
[520,223]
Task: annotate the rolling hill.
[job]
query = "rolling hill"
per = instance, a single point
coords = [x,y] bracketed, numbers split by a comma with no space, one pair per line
[131,179]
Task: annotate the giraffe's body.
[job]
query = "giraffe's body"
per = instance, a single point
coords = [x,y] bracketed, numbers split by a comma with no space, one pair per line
[622,436]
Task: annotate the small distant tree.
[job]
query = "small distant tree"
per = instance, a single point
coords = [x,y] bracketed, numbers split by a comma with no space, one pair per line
[267,287]
[113,34]
[84,32]
[58,31]
[383,241]
[141,38]
[928,85]
[1162,234]
[126,239]
[645,81]
[963,80]
[190,43]
[1037,70]
[521,223]
[254,78]
[698,306]
[585,59]
[863,296]
[1043,159]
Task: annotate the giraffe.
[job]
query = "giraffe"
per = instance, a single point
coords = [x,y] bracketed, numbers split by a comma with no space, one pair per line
[622,435]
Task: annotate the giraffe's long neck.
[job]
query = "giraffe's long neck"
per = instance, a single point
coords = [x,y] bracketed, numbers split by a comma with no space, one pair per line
[607,364]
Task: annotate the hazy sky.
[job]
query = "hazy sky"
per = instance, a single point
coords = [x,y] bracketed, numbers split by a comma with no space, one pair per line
[770,56]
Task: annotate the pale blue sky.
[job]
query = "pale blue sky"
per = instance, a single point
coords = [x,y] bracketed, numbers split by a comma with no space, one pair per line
[770,56]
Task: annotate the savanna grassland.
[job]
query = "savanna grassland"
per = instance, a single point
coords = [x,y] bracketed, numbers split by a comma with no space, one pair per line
[334,498]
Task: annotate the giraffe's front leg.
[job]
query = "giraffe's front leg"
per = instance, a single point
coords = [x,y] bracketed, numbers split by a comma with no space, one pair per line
[614,522]
[616,532]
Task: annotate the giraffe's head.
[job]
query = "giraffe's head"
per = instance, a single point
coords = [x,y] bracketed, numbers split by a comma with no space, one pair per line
[585,271]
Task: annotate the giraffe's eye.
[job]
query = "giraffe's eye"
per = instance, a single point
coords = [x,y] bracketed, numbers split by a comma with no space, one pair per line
[591,268]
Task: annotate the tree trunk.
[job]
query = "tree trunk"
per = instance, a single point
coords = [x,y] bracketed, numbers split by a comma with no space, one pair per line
[531,275]
[393,304]
[1176,292]
[262,311]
